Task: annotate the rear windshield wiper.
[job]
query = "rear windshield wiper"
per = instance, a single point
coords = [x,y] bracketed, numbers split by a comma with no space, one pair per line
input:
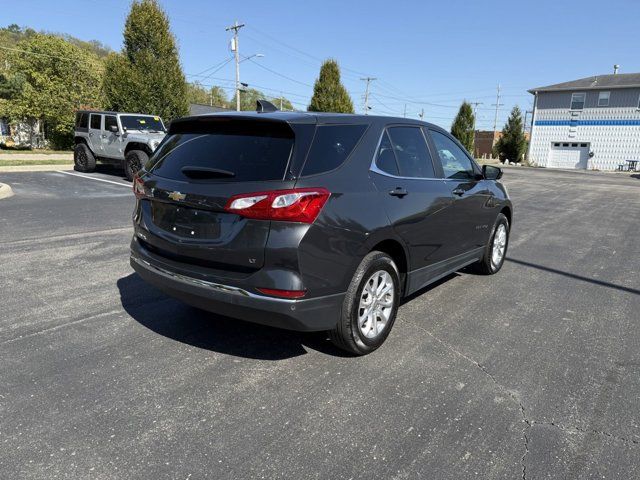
[206,172]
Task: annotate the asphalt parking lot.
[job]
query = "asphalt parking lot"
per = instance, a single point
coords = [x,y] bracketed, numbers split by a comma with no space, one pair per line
[533,373]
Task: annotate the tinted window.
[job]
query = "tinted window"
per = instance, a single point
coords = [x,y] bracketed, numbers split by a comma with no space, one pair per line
[95,121]
[455,163]
[412,154]
[82,120]
[331,146]
[110,121]
[386,160]
[141,122]
[250,152]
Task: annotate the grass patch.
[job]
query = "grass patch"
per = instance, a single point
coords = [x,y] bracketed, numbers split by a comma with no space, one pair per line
[48,161]
[11,151]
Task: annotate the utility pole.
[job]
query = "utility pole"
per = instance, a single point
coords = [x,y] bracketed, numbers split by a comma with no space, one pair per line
[235,27]
[524,125]
[497,105]
[280,101]
[421,114]
[366,93]
[405,111]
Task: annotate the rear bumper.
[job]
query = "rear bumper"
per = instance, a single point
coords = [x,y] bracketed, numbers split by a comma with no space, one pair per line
[312,314]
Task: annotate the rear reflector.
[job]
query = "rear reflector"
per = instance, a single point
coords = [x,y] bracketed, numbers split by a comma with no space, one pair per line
[292,205]
[283,293]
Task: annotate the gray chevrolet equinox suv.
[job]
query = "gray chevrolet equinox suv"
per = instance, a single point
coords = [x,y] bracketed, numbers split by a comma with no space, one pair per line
[313,222]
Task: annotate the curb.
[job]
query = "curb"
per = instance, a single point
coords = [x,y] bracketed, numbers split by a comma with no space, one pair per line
[5,191]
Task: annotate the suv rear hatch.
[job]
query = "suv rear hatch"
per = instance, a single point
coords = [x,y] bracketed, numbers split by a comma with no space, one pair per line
[200,165]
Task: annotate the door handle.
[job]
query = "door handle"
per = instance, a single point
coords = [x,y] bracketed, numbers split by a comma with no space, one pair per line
[104,136]
[90,134]
[398,192]
[458,191]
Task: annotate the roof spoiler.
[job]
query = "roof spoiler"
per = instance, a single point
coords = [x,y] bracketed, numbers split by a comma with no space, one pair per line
[263,106]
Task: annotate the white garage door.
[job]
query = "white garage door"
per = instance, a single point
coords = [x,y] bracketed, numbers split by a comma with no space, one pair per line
[568,155]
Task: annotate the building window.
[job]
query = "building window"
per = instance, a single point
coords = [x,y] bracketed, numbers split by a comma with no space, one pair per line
[583,145]
[577,101]
[603,99]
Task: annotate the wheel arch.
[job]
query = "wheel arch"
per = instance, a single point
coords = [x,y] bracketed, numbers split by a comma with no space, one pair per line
[506,211]
[396,251]
[137,146]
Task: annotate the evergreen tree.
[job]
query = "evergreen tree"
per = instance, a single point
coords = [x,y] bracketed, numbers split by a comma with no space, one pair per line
[463,127]
[513,144]
[147,77]
[329,95]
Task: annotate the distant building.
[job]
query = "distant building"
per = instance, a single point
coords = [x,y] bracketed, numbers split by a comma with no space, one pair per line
[591,123]
[484,140]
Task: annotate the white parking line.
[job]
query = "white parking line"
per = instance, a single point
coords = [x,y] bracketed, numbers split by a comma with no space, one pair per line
[128,185]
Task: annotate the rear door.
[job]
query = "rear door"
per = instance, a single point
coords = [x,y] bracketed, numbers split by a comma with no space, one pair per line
[470,218]
[411,193]
[192,175]
[111,141]
[95,133]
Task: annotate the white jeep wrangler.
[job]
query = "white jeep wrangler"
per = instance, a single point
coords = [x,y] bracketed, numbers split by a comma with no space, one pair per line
[123,139]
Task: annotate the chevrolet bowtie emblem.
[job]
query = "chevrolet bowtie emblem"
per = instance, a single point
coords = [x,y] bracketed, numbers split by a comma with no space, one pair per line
[177,196]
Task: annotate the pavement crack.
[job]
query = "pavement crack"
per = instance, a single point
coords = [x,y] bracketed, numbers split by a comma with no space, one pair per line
[512,395]
[570,429]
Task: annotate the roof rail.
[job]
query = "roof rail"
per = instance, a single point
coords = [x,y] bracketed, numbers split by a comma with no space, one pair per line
[263,106]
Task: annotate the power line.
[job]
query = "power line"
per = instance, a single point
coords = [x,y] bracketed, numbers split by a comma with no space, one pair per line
[280,74]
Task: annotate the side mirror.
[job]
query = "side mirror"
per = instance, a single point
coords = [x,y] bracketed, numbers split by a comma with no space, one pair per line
[491,173]
[114,129]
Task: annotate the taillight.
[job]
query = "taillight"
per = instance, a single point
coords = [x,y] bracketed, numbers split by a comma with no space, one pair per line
[293,205]
[138,187]
[291,294]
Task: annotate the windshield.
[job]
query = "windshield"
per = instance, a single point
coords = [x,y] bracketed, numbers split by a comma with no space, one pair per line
[142,122]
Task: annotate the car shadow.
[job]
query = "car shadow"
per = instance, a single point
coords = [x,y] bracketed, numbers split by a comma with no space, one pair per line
[112,170]
[180,322]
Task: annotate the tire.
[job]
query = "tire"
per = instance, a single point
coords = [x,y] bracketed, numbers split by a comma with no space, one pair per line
[487,265]
[357,337]
[133,162]
[83,158]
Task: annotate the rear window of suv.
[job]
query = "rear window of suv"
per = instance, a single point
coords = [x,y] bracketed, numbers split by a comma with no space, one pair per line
[331,146]
[250,151]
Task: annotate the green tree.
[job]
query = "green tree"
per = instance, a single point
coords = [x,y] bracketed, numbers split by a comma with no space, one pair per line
[329,95]
[196,93]
[48,80]
[463,127]
[147,77]
[513,144]
[218,97]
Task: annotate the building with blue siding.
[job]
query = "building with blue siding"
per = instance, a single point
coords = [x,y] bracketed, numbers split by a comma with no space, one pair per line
[592,123]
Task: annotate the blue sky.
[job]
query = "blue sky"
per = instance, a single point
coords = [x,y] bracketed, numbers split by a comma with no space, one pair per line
[425,54]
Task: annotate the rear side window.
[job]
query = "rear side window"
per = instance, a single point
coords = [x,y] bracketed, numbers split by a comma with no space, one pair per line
[244,153]
[331,146]
[96,120]
[386,159]
[82,120]
[412,153]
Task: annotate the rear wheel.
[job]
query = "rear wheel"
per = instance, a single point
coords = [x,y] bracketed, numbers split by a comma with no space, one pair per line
[133,162]
[370,305]
[496,249]
[83,159]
